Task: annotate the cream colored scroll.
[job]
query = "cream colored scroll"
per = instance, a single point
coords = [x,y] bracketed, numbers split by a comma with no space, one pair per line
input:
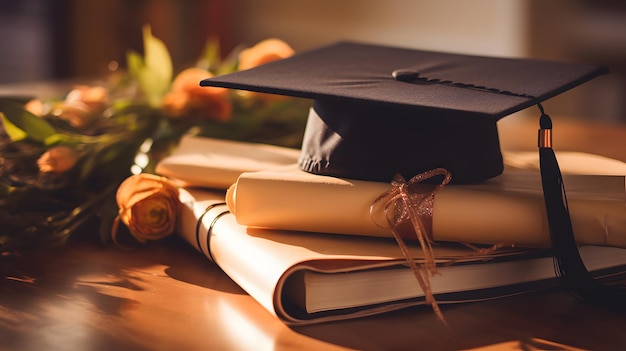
[508,208]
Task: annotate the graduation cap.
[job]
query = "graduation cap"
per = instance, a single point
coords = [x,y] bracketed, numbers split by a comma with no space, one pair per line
[379,110]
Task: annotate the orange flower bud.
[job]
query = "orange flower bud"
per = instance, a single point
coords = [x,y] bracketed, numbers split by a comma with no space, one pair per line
[95,98]
[77,114]
[148,206]
[188,97]
[83,105]
[57,159]
[35,107]
[265,51]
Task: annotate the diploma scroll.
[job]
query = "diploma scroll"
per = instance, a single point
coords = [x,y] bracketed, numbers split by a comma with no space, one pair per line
[509,208]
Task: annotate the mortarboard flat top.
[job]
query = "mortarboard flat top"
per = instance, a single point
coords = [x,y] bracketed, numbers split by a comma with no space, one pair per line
[384,110]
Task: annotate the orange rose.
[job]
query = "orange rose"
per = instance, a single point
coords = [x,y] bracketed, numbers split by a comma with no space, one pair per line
[57,159]
[188,97]
[265,51]
[148,206]
[83,105]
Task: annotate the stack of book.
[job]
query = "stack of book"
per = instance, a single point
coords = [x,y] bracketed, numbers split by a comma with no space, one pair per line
[304,246]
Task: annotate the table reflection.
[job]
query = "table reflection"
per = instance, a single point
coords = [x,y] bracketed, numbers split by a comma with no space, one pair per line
[168,296]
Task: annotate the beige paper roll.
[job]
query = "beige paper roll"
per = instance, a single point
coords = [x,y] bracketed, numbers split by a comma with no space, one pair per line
[508,208]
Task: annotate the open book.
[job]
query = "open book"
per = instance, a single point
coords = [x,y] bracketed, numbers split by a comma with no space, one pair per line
[310,277]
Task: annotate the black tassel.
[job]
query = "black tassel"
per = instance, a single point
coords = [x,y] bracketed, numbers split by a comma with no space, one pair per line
[568,263]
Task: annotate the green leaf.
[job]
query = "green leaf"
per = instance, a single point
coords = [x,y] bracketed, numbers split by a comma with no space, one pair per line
[134,63]
[56,139]
[12,131]
[210,58]
[230,63]
[151,85]
[21,124]
[153,71]
[156,76]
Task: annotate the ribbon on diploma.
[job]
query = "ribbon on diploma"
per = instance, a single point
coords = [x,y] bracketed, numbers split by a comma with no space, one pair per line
[408,210]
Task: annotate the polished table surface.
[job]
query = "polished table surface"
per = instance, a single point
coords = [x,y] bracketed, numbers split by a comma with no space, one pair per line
[166,296]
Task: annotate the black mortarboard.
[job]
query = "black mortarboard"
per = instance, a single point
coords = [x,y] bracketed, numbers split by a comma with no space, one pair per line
[379,111]
[382,110]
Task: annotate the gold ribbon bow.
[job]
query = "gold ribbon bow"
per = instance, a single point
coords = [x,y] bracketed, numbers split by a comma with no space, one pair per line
[408,208]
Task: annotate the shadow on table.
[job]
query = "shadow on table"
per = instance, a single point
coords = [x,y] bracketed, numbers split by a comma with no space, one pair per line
[73,294]
[542,318]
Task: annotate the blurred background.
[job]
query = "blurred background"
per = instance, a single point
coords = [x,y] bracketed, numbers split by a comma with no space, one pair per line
[46,40]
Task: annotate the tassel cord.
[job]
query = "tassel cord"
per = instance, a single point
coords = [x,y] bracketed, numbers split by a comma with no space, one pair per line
[568,262]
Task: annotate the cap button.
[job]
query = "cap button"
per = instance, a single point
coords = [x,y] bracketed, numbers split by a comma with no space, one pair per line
[405,75]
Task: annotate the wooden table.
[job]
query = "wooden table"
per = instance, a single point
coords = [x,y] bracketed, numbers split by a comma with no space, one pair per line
[166,296]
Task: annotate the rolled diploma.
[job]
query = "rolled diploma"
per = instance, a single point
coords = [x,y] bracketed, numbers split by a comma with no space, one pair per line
[507,209]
